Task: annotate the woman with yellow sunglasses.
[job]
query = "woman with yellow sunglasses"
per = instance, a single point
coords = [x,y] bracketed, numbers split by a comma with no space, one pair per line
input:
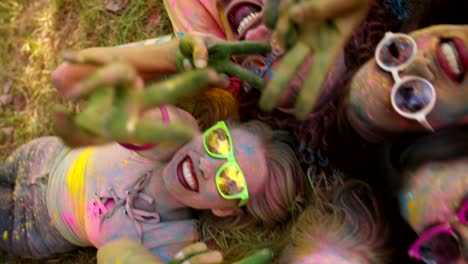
[55,198]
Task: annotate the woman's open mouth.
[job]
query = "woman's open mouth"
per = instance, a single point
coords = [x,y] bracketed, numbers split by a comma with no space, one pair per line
[186,175]
[243,16]
[452,55]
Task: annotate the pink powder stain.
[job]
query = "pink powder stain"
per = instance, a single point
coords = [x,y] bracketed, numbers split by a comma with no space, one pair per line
[70,221]
[423,43]
[363,93]
[370,82]
[172,4]
[92,209]
[370,116]
[186,10]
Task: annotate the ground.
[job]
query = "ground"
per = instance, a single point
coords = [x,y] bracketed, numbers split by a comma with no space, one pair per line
[34,35]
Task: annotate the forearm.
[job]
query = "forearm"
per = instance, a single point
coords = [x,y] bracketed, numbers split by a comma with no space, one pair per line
[150,61]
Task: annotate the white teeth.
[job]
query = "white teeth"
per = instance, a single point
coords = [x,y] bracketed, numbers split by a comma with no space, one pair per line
[187,173]
[246,21]
[451,54]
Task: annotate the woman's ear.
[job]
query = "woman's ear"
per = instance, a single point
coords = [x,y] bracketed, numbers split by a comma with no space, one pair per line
[227,212]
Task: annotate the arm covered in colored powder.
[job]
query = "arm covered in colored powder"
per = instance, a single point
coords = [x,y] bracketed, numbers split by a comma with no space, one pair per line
[153,59]
[132,252]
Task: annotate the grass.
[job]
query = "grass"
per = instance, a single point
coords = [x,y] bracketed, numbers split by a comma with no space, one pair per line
[34,35]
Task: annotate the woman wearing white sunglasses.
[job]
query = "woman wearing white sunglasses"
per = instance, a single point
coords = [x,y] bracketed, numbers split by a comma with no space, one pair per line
[415,82]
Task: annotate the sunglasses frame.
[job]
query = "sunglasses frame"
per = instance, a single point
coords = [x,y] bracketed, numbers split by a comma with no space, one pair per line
[413,251]
[231,160]
[421,115]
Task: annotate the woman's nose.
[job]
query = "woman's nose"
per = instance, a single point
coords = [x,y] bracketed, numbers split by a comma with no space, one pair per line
[420,66]
[209,167]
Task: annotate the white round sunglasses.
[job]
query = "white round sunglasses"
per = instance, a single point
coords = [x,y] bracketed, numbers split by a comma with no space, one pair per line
[412,97]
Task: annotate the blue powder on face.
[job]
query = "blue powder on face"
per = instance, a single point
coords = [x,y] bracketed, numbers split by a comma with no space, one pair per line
[403,203]
[246,149]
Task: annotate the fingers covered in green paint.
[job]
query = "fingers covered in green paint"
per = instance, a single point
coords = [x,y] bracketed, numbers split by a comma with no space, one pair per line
[182,85]
[115,75]
[199,51]
[71,134]
[263,256]
[313,84]
[224,49]
[271,13]
[288,68]
[147,131]
[115,109]
[197,253]
[317,28]
[243,74]
[284,26]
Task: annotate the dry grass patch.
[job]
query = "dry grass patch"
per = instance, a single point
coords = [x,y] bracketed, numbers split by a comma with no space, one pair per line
[35,33]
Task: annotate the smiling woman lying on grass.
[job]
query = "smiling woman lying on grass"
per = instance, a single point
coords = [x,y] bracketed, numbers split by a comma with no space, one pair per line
[62,198]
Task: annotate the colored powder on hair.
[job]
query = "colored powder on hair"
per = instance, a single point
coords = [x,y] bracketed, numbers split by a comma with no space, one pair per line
[400,8]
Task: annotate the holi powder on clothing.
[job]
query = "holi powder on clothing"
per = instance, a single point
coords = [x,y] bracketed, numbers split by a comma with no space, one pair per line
[75,175]
[70,221]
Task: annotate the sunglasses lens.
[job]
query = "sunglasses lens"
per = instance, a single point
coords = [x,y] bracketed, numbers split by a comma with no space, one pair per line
[396,50]
[230,181]
[217,142]
[441,248]
[413,95]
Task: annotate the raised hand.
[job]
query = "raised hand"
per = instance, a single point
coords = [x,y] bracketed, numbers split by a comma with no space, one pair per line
[117,103]
[202,50]
[126,251]
[309,27]
[199,253]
